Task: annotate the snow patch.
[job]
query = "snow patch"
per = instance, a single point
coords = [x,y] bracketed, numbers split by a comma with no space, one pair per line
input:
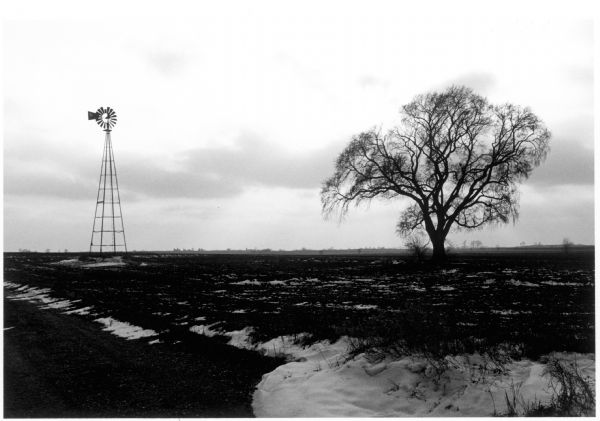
[286,345]
[80,311]
[205,330]
[67,262]
[247,282]
[322,382]
[93,263]
[365,307]
[277,282]
[37,296]
[518,283]
[565,284]
[240,338]
[511,312]
[124,329]
[40,297]
[58,304]
[30,294]
[108,262]
[340,282]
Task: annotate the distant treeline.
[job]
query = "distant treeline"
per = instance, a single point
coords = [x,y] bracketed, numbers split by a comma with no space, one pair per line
[559,248]
[555,248]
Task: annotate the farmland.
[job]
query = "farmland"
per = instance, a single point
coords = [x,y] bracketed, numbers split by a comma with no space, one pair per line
[537,302]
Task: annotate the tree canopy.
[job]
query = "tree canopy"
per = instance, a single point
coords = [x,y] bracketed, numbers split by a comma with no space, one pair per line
[458,158]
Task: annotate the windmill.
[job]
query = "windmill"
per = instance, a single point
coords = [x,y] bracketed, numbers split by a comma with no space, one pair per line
[108,232]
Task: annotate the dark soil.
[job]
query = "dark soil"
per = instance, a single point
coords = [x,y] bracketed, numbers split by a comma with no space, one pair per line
[541,302]
[57,365]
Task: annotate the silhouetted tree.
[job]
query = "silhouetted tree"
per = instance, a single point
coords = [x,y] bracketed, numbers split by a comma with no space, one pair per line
[457,158]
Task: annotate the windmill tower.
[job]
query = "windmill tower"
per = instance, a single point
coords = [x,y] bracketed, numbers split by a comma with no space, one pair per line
[108,232]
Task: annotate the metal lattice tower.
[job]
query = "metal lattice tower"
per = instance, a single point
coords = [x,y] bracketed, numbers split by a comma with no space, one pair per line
[108,231]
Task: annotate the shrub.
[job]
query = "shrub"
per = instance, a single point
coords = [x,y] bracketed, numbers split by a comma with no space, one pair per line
[418,331]
[418,247]
[573,394]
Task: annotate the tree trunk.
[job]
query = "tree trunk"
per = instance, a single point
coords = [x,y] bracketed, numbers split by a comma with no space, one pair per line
[437,241]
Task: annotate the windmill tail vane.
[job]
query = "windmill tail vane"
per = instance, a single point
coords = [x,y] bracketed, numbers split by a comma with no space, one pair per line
[108,231]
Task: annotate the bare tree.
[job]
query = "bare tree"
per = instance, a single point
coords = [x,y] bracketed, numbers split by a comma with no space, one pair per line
[417,245]
[456,157]
[566,245]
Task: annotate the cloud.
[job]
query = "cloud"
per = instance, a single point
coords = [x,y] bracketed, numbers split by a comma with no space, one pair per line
[567,163]
[226,172]
[150,180]
[35,168]
[583,75]
[167,62]
[369,81]
[47,184]
[202,173]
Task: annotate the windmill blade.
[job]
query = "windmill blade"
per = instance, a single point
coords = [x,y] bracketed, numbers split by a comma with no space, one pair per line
[106,117]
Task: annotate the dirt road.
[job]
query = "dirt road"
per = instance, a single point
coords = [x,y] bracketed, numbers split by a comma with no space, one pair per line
[58,365]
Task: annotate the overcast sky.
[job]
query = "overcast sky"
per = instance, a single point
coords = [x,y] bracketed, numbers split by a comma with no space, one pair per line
[230,115]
